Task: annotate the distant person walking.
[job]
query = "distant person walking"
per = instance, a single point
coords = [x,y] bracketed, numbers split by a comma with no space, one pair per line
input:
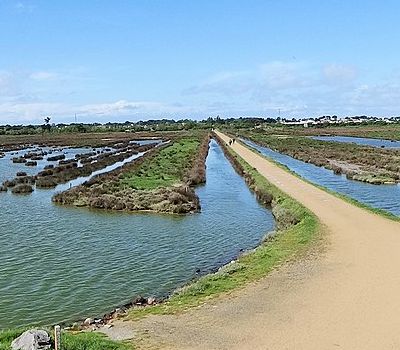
[230,142]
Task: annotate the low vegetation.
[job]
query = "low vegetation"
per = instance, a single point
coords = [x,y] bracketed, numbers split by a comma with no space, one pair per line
[363,163]
[74,139]
[22,189]
[160,181]
[388,132]
[67,170]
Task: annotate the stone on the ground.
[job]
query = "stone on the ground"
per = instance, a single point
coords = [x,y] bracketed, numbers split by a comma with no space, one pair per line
[151,301]
[34,339]
[88,321]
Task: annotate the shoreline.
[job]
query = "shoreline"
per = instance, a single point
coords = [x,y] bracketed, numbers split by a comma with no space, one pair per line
[324,154]
[265,200]
[141,304]
[142,312]
[347,198]
[310,303]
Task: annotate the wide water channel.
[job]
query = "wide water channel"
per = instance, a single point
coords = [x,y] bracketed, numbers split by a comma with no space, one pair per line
[386,197]
[60,263]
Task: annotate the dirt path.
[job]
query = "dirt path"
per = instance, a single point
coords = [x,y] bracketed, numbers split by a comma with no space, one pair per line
[346,298]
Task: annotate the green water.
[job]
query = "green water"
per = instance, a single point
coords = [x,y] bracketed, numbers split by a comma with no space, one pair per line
[60,263]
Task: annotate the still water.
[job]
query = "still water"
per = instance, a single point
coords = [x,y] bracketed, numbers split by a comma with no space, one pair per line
[386,197]
[60,263]
[360,141]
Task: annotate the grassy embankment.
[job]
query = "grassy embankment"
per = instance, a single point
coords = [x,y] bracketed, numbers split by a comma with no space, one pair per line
[298,228]
[353,201]
[70,341]
[160,181]
[362,163]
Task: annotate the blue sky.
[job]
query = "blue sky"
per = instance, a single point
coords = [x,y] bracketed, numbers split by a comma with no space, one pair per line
[131,60]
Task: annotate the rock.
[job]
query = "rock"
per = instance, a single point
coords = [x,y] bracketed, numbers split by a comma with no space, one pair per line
[75,326]
[139,301]
[88,321]
[151,301]
[34,339]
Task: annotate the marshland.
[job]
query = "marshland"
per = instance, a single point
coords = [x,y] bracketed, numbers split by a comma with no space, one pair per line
[358,162]
[50,248]
[174,206]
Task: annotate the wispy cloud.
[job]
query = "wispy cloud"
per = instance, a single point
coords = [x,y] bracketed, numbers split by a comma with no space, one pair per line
[227,83]
[43,76]
[339,73]
[24,6]
[294,88]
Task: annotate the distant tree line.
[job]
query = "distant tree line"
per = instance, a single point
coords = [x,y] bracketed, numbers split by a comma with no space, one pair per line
[167,125]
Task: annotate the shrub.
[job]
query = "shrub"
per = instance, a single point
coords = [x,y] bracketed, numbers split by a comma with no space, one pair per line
[31,163]
[22,189]
[46,182]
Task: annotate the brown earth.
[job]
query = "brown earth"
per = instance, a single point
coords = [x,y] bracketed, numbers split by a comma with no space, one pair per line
[346,297]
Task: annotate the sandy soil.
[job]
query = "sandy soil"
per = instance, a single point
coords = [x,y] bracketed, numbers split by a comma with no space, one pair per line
[347,297]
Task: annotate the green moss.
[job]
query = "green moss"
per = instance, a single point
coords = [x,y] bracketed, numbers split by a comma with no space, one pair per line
[167,168]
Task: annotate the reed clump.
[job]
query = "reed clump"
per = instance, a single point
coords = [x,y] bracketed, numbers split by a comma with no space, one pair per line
[22,189]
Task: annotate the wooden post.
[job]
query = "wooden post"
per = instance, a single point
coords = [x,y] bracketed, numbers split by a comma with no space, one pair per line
[57,337]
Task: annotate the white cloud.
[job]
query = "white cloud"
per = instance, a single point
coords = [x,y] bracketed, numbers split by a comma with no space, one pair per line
[15,113]
[8,84]
[226,83]
[283,75]
[295,88]
[20,112]
[339,73]
[43,76]
[128,108]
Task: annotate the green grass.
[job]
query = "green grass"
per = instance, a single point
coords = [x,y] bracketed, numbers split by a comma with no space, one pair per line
[70,341]
[252,266]
[167,168]
[7,336]
[91,341]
